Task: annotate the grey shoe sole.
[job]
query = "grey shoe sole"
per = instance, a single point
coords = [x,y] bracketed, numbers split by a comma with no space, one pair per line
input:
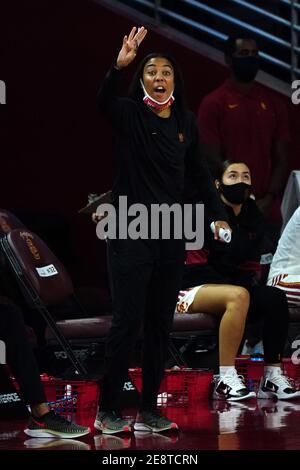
[99,426]
[146,428]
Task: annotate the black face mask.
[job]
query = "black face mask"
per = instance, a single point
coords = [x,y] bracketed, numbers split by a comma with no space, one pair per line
[235,193]
[245,68]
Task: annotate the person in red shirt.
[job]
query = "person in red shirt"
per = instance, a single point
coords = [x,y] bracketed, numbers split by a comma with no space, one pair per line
[243,119]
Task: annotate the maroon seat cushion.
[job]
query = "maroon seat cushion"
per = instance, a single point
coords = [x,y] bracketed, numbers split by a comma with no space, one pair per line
[83,328]
[194,322]
[40,266]
[98,327]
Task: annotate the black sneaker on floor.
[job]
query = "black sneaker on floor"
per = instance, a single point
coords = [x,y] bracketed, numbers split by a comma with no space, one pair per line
[153,421]
[54,425]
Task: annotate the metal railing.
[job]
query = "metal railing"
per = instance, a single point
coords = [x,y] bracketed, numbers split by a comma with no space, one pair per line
[274,24]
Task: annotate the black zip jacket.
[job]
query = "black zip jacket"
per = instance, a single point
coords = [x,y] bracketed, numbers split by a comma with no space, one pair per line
[154,154]
[234,262]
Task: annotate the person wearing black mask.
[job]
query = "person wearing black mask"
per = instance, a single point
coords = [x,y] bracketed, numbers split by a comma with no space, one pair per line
[243,117]
[245,68]
[238,263]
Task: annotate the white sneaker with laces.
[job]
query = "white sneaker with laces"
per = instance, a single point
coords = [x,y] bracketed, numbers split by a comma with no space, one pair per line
[277,386]
[231,387]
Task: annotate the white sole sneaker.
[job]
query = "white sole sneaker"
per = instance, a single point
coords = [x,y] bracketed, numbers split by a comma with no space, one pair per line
[144,428]
[245,397]
[54,434]
[261,394]
[105,430]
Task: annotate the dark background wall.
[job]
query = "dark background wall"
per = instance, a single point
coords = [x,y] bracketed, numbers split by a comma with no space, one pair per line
[55,147]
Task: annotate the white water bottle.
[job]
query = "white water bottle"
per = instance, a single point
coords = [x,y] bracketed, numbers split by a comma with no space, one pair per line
[224,234]
[68,391]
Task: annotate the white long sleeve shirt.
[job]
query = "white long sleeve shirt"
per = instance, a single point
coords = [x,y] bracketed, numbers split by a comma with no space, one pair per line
[287,257]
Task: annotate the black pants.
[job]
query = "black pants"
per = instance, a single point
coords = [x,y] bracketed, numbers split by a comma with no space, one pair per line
[19,355]
[145,279]
[269,305]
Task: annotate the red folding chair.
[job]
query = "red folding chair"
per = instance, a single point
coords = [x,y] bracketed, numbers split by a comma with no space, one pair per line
[8,222]
[42,278]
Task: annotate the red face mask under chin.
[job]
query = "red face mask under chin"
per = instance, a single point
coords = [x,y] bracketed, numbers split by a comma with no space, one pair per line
[158,106]
[154,103]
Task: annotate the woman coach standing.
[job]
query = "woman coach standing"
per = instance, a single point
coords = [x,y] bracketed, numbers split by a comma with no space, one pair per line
[157,142]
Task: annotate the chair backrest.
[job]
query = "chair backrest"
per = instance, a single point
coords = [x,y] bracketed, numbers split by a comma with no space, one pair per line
[40,266]
[8,222]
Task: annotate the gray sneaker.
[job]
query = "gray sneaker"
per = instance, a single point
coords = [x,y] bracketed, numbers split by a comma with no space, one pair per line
[54,425]
[152,421]
[110,422]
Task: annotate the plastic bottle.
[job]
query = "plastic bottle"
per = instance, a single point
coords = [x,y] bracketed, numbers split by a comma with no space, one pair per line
[224,234]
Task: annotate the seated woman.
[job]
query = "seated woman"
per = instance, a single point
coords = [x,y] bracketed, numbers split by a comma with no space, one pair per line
[232,303]
[285,268]
[237,263]
[43,422]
